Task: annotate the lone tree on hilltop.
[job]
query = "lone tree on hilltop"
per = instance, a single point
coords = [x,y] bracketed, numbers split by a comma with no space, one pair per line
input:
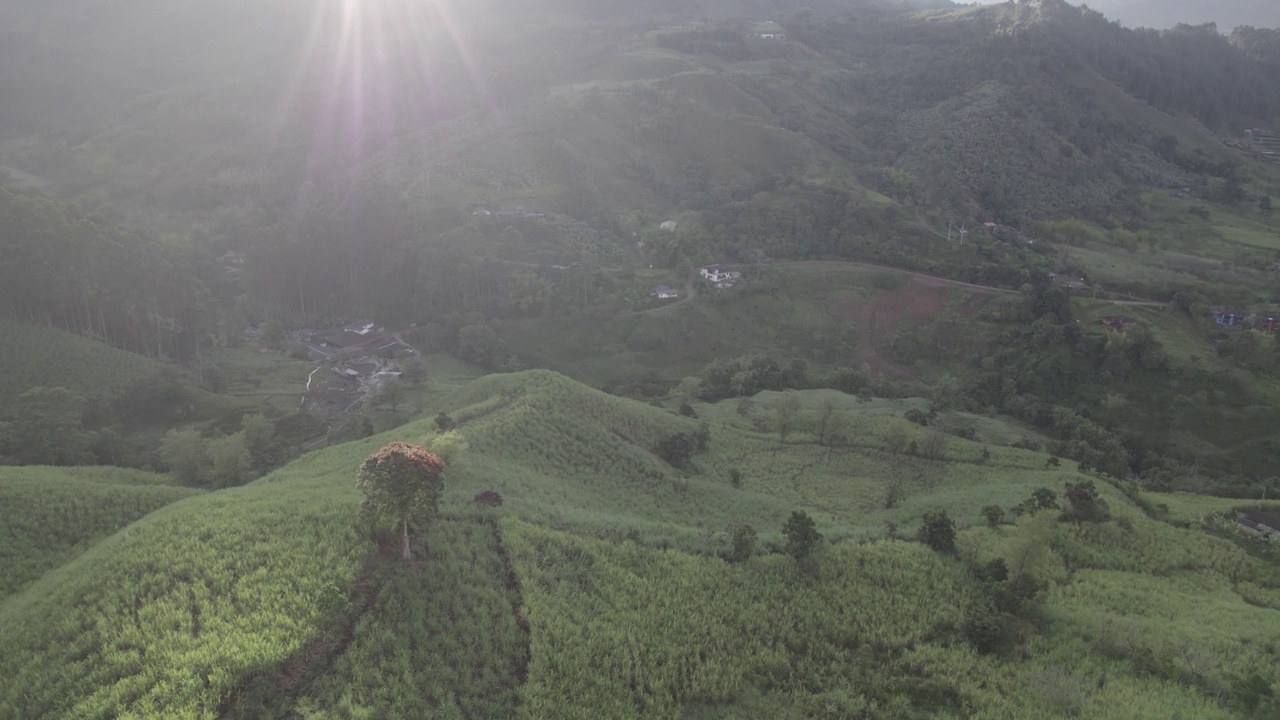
[402,482]
[801,533]
[786,412]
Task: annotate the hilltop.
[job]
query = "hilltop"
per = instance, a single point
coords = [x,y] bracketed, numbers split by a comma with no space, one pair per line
[597,586]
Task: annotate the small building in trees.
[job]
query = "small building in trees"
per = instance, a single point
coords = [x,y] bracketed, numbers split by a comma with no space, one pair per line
[663,292]
[1070,282]
[769,30]
[1120,323]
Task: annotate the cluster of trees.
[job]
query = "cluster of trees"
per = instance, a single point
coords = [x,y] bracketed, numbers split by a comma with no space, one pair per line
[227,461]
[77,272]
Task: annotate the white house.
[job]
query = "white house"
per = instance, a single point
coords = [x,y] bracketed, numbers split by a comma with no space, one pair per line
[670,225]
[663,292]
[720,275]
[364,327]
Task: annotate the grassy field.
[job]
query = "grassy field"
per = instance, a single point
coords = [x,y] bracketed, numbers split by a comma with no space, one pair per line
[35,356]
[51,515]
[597,586]
[269,380]
[827,313]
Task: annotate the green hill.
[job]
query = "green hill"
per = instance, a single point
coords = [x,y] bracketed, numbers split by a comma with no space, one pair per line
[596,587]
[36,356]
[52,515]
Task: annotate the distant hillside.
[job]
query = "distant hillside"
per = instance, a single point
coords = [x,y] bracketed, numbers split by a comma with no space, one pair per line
[37,356]
[599,585]
[1227,14]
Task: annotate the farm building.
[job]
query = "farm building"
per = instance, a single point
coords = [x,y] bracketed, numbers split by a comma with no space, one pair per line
[1260,523]
[1245,319]
[663,292]
[769,31]
[1117,322]
[1069,282]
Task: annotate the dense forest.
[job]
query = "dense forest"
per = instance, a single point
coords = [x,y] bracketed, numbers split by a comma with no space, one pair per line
[77,272]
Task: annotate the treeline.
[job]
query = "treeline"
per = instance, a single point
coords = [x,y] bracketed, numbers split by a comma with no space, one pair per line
[73,271]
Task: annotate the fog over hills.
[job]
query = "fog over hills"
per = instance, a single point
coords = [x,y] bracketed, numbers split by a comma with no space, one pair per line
[1162,14]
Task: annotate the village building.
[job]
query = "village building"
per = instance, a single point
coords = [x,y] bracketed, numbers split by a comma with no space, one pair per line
[1120,323]
[769,30]
[663,292]
[720,276]
[669,226]
[1256,522]
[1069,282]
[1263,142]
[232,262]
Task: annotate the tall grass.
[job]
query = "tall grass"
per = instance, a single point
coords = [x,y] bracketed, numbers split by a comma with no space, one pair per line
[50,515]
[629,610]
[440,639]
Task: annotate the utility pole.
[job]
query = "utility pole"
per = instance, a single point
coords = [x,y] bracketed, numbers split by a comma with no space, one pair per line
[963,232]
[949,230]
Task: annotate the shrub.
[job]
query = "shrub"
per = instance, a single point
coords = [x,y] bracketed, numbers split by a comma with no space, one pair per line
[986,630]
[801,533]
[938,531]
[735,477]
[687,410]
[444,422]
[994,515]
[918,416]
[1083,503]
[1041,499]
[677,449]
[743,537]
[487,499]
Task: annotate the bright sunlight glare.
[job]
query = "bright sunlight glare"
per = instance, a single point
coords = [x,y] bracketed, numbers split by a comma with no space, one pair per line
[372,69]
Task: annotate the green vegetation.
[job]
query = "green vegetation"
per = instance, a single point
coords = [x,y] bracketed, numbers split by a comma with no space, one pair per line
[402,483]
[620,586]
[445,633]
[930,457]
[52,515]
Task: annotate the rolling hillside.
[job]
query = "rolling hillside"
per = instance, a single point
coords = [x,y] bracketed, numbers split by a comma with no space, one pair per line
[36,356]
[52,515]
[596,587]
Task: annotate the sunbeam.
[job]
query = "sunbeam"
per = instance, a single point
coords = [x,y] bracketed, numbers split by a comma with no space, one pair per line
[371,70]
